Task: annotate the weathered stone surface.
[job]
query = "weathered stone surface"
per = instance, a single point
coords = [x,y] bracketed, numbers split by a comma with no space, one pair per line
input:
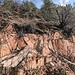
[20,42]
[4,50]
[40,54]
[12,42]
[13,61]
[9,29]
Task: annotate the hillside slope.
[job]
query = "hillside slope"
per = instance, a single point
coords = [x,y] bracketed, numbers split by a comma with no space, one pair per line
[34,47]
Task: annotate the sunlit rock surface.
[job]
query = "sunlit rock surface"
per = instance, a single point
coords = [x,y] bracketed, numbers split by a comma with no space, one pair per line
[40,44]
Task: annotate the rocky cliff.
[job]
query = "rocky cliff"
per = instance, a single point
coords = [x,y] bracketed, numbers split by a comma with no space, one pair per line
[36,53]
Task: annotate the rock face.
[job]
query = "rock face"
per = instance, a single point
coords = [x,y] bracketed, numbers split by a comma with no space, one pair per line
[14,59]
[40,45]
